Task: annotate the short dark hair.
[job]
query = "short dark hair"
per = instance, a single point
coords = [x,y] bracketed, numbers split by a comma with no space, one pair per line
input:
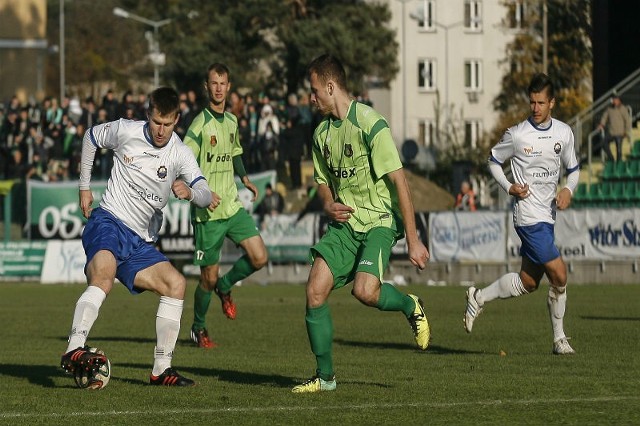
[165,100]
[328,67]
[219,68]
[540,82]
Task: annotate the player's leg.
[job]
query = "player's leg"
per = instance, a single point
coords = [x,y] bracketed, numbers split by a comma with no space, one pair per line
[101,238]
[319,328]
[556,271]
[334,257]
[209,237]
[243,231]
[369,288]
[201,301]
[165,280]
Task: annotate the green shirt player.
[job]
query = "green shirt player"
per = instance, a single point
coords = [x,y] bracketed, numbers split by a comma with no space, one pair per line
[365,194]
[213,138]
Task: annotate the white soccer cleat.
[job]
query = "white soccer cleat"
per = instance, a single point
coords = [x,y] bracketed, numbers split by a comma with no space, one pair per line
[562,347]
[473,309]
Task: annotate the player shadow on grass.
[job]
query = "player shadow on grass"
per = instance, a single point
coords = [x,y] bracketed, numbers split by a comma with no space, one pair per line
[231,376]
[43,375]
[432,349]
[116,339]
[603,318]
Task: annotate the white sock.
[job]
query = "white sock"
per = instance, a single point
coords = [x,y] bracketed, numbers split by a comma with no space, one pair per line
[557,304]
[87,308]
[509,285]
[167,330]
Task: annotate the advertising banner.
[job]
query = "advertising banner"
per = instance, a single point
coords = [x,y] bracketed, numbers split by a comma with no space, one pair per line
[286,239]
[592,234]
[21,259]
[476,236]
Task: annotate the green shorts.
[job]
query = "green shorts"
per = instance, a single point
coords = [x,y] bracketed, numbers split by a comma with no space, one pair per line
[209,236]
[347,252]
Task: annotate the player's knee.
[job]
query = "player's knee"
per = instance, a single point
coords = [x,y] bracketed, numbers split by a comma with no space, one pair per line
[259,261]
[529,284]
[365,296]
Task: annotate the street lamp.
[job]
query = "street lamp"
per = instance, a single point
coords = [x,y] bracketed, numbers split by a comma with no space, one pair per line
[156,57]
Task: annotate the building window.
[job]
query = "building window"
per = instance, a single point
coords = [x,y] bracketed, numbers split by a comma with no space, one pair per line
[426,15]
[427,74]
[473,15]
[472,133]
[515,16]
[473,75]
[427,133]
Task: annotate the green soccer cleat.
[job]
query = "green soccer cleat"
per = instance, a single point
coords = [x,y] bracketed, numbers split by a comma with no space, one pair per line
[419,324]
[315,384]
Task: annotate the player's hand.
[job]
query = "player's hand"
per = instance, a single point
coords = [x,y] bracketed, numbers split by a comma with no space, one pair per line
[181,190]
[215,201]
[86,199]
[338,212]
[563,199]
[418,254]
[519,191]
[251,187]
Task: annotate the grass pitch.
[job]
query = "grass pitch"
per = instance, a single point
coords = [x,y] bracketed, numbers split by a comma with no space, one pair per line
[382,378]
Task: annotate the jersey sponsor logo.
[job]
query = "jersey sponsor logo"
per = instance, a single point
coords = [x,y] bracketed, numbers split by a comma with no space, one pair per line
[365,262]
[348,150]
[557,148]
[213,140]
[545,173]
[529,151]
[325,152]
[162,172]
[150,154]
[145,193]
[344,173]
[127,160]
[218,158]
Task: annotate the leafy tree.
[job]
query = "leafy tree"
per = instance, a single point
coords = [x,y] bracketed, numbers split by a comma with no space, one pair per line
[569,61]
[267,44]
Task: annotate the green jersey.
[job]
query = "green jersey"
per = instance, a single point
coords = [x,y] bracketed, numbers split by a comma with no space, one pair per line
[353,156]
[214,140]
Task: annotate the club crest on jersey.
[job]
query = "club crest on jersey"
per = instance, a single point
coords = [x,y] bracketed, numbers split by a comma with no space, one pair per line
[162,172]
[557,148]
[348,150]
[213,141]
[325,151]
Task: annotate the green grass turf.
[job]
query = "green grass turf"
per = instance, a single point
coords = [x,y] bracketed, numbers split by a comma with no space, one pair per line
[382,378]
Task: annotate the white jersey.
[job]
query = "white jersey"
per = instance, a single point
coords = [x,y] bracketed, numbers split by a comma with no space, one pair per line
[537,157]
[142,175]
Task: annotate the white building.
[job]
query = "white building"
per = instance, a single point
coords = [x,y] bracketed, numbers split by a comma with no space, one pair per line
[451,60]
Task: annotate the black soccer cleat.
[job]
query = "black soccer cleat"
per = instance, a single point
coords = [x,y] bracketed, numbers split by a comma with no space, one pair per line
[82,358]
[170,377]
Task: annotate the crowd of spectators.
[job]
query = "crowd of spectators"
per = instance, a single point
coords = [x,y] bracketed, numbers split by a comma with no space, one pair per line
[44,140]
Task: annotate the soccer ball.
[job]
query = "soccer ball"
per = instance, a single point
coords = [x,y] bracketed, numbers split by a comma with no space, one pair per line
[94,379]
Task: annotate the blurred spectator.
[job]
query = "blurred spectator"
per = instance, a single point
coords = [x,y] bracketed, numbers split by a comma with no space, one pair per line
[272,204]
[314,203]
[466,199]
[292,149]
[268,146]
[616,121]
[110,104]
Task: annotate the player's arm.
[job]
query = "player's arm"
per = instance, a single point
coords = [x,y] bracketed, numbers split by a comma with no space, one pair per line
[570,161]
[238,167]
[418,253]
[501,152]
[100,136]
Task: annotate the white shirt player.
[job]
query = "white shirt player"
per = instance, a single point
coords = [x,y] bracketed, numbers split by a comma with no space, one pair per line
[142,175]
[537,156]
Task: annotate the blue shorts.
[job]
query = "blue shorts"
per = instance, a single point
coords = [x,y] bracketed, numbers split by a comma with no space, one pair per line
[133,254]
[538,242]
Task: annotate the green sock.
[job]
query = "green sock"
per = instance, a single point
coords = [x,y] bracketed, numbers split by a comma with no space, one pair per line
[239,271]
[320,331]
[202,299]
[393,300]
